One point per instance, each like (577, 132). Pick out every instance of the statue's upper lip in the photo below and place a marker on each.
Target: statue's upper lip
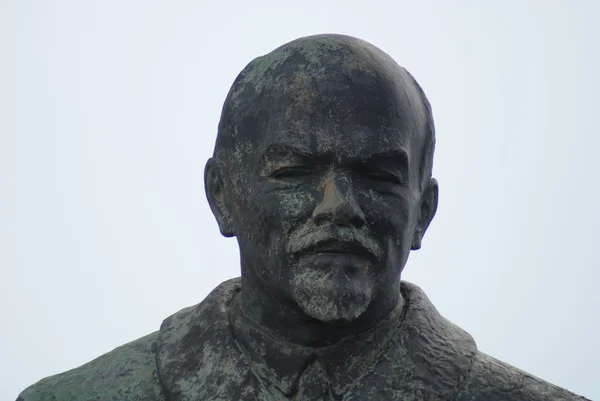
(337, 246)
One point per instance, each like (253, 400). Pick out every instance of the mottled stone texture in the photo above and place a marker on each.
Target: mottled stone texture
(126, 373)
(197, 357)
(322, 171)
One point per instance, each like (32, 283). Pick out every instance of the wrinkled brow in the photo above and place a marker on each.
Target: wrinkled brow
(397, 156)
(278, 151)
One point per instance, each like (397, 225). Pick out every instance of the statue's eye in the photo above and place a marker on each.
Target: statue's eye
(291, 172)
(384, 177)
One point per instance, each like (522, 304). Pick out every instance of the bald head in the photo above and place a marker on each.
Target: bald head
(325, 78)
(324, 140)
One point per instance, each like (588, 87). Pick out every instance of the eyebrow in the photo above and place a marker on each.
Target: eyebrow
(397, 155)
(286, 149)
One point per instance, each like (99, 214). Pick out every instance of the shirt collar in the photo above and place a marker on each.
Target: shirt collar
(344, 362)
(426, 356)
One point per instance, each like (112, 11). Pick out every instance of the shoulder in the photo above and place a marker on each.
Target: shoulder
(197, 356)
(127, 373)
(443, 350)
(494, 380)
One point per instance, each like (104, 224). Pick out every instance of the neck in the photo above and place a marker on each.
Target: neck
(280, 315)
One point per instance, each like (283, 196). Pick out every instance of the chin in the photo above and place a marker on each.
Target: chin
(331, 294)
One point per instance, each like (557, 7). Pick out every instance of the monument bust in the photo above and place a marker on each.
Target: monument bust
(322, 170)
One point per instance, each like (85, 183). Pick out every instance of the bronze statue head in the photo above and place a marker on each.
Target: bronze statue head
(322, 170)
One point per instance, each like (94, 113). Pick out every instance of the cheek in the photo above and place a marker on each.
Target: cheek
(289, 208)
(268, 217)
(293, 203)
(386, 212)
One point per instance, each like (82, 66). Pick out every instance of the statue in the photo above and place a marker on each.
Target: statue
(322, 170)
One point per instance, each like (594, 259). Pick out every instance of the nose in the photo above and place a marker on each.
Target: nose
(339, 205)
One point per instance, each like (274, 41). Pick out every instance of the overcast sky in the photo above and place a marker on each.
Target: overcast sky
(109, 110)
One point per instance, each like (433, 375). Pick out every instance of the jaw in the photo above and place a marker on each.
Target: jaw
(332, 294)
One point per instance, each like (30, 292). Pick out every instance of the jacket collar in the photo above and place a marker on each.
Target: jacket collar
(198, 356)
(343, 362)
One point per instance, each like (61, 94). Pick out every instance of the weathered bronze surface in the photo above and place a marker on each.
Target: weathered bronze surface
(322, 170)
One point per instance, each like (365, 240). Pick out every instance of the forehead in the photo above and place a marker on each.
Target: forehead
(327, 95)
(339, 138)
(346, 121)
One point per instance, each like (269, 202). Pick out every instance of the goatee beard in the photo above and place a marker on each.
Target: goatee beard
(332, 293)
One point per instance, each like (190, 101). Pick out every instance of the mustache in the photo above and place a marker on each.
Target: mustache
(309, 237)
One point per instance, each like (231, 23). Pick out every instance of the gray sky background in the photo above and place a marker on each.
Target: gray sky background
(109, 109)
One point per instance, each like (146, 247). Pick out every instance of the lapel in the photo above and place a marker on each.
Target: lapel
(428, 358)
(197, 357)
(343, 363)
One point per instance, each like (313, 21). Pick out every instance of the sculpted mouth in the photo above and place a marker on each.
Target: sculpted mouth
(336, 247)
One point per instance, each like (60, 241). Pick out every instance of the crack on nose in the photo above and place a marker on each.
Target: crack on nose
(335, 207)
(331, 196)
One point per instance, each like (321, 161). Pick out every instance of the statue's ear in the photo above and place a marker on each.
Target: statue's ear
(429, 203)
(215, 193)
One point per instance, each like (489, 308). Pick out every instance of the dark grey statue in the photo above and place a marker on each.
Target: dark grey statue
(322, 170)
